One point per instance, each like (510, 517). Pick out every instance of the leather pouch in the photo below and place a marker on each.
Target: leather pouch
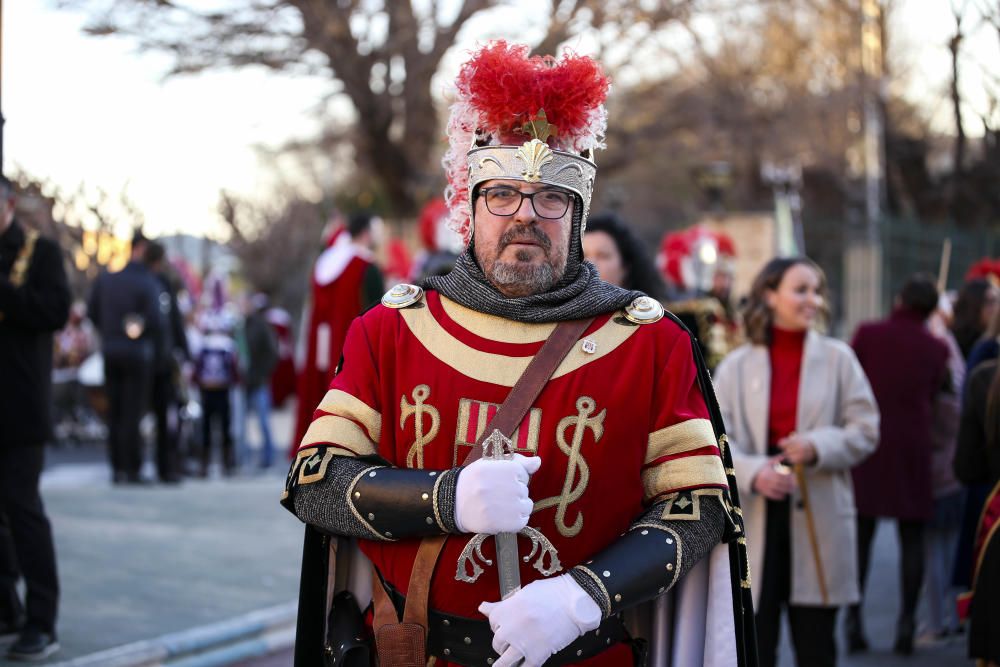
(347, 640)
(401, 645)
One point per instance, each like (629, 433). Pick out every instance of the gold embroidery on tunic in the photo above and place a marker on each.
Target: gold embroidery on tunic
(417, 410)
(473, 416)
(574, 484)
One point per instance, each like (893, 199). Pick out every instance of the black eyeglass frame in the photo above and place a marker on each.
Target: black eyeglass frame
(526, 195)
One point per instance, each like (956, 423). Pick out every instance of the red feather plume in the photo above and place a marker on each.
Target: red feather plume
(508, 86)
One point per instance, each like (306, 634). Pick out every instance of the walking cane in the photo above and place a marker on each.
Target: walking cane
(800, 476)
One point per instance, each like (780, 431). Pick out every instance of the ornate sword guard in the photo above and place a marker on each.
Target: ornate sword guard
(498, 447)
(467, 561)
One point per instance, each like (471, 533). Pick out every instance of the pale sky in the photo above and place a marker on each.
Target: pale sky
(90, 110)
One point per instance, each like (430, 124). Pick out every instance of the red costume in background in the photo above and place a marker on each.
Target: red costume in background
(336, 298)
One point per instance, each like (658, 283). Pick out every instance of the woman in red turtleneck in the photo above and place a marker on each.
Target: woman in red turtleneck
(795, 397)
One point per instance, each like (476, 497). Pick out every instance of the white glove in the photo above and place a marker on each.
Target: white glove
(539, 620)
(492, 496)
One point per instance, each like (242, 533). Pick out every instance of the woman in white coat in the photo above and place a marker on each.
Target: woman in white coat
(794, 397)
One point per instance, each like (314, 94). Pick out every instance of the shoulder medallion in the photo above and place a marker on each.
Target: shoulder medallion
(644, 310)
(402, 295)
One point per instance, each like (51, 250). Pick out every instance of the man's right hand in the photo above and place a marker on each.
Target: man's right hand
(492, 496)
(774, 480)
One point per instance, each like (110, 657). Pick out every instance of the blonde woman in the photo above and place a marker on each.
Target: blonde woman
(794, 397)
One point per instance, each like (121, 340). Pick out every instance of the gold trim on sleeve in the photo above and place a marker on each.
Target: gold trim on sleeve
(337, 402)
(683, 473)
(335, 430)
(679, 438)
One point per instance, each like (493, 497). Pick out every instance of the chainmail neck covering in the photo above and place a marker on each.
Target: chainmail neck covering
(579, 293)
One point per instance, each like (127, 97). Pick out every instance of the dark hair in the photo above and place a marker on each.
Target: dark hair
(6, 187)
(358, 223)
(138, 238)
(640, 272)
(757, 315)
(919, 294)
(967, 324)
(153, 253)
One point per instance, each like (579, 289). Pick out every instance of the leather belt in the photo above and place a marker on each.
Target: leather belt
(468, 641)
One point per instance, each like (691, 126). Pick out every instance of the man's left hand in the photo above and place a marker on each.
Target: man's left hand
(797, 449)
(540, 619)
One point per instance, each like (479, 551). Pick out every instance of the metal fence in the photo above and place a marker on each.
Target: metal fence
(908, 246)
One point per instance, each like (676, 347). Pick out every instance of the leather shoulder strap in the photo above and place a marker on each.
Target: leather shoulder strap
(534, 378)
(506, 419)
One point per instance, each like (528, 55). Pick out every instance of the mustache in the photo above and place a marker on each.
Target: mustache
(525, 233)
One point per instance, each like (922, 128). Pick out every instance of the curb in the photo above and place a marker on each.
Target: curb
(254, 634)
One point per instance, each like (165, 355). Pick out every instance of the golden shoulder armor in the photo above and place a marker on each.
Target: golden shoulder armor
(644, 310)
(402, 295)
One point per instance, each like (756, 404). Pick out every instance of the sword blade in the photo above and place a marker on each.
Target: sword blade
(508, 566)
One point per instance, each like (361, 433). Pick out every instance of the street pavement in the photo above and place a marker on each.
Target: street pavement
(143, 562)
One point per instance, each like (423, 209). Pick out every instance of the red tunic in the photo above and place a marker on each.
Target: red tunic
(333, 307)
(617, 428)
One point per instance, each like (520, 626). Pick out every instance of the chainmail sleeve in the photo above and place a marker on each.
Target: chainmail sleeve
(652, 555)
(363, 497)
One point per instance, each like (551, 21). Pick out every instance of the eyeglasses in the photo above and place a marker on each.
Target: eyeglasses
(503, 200)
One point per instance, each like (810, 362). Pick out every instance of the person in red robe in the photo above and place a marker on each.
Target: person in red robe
(345, 281)
(620, 482)
(283, 378)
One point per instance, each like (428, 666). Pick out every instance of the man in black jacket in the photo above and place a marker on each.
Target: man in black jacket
(34, 302)
(125, 307)
(171, 349)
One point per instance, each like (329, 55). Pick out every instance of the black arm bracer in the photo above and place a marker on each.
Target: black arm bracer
(651, 557)
(362, 498)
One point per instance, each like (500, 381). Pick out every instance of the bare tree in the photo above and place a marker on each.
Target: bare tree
(955, 47)
(275, 246)
(381, 54)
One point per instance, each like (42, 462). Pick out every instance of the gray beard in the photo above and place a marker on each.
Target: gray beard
(518, 279)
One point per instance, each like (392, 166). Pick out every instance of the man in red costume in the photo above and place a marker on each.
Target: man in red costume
(621, 483)
(345, 281)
